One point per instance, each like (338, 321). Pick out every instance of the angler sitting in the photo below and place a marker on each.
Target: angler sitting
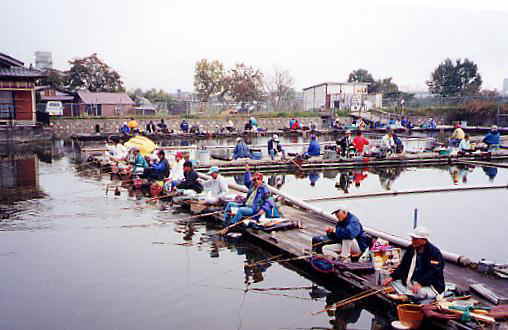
(184, 126)
(189, 186)
(216, 186)
(348, 236)
(256, 204)
(465, 146)
(241, 150)
(139, 162)
(158, 170)
(274, 147)
(492, 139)
(314, 147)
(345, 144)
(421, 269)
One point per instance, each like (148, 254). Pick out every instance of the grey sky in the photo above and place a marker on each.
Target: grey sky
(155, 43)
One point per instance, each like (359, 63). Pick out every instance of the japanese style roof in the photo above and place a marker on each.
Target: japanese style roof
(104, 98)
(6, 60)
(20, 72)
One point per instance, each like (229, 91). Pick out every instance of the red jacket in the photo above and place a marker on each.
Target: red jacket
(360, 142)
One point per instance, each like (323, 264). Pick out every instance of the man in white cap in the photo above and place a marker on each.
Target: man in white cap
(275, 147)
(216, 186)
(421, 268)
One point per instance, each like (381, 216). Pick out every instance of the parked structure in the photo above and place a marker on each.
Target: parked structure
(17, 95)
(343, 96)
(144, 107)
(105, 104)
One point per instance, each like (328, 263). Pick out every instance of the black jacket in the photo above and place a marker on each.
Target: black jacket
(190, 181)
(428, 270)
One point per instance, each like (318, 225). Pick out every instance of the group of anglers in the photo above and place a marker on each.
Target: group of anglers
(460, 140)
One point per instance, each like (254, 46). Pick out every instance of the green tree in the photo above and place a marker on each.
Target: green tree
(93, 74)
(54, 78)
(455, 79)
(209, 79)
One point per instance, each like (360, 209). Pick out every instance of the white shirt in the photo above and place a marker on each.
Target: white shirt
(218, 187)
(176, 172)
(387, 141)
(464, 145)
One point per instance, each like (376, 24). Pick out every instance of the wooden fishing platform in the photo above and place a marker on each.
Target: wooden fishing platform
(296, 244)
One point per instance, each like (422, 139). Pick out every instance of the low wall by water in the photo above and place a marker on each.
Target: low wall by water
(24, 134)
(66, 127)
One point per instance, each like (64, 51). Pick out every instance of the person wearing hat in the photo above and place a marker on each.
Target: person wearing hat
(216, 186)
(176, 173)
(124, 129)
(348, 236)
(345, 144)
(492, 139)
(258, 201)
(241, 150)
(421, 267)
(314, 148)
(275, 147)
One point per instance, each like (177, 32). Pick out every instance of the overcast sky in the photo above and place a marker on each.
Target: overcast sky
(155, 43)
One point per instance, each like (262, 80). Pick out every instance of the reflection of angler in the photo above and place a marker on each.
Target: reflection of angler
(341, 317)
(255, 272)
(344, 182)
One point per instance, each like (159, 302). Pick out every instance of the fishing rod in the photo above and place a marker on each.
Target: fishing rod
(191, 217)
(362, 295)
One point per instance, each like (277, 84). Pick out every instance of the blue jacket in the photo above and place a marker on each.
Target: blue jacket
(241, 151)
(492, 138)
(350, 228)
(314, 148)
(291, 122)
(184, 126)
(125, 130)
(428, 270)
(162, 168)
(262, 200)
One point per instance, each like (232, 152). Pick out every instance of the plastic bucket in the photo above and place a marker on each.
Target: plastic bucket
(203, 157)
(410, 315)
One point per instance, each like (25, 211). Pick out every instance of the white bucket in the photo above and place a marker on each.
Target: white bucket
(203, 157)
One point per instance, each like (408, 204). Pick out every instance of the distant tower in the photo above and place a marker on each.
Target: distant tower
(505, 86)
(43, 60)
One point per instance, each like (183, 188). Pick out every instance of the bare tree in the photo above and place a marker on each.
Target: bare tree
(279, 88)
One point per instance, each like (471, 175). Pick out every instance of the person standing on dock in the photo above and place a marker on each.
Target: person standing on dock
(241, 150)
(421, 268)
(492, 139)
(360, 142)
(256, 204)
(314, 148)
(274, 147)
(348, 236)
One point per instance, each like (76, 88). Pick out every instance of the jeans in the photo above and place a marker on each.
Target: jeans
(272, 154)
(243, 211)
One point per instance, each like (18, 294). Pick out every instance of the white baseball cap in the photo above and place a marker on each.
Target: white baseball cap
(420, 232)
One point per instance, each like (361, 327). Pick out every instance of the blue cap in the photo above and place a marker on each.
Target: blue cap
(213, 169)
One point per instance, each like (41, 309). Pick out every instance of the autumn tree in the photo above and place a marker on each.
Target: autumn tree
(279, 88)
(93, 74)
(244, 83)
(459, 78)
(209, 79)
(54, 78)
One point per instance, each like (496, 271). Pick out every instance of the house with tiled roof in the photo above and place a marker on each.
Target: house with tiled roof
(17, 95)
(105, 104)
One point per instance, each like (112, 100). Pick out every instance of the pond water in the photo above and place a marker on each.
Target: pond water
(75, 259)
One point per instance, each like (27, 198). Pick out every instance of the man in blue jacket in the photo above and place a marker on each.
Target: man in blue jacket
(184, 126)
(492, 139)
(257, 202)
(421, 268)
(158, 170)
(314, 147)
(348, 235)
(241, 149)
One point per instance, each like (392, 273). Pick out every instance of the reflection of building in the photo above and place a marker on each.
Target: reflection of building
(17, 96)
(19, 177)
(333, 95)
(43, 60)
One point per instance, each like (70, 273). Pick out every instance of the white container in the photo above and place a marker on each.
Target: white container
(203, 157)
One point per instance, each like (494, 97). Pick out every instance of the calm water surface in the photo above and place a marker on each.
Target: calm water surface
(74, 259)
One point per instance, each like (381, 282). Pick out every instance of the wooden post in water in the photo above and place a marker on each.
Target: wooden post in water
(415, 222)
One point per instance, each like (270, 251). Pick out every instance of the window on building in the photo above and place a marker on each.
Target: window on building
(94, 110)
(7, 105)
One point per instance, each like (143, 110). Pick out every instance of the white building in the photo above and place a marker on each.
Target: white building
(43, 60)
(505, 86)
(344, 96)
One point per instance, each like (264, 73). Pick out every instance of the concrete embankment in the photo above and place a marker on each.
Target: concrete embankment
(64, 128)
(9, 135)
